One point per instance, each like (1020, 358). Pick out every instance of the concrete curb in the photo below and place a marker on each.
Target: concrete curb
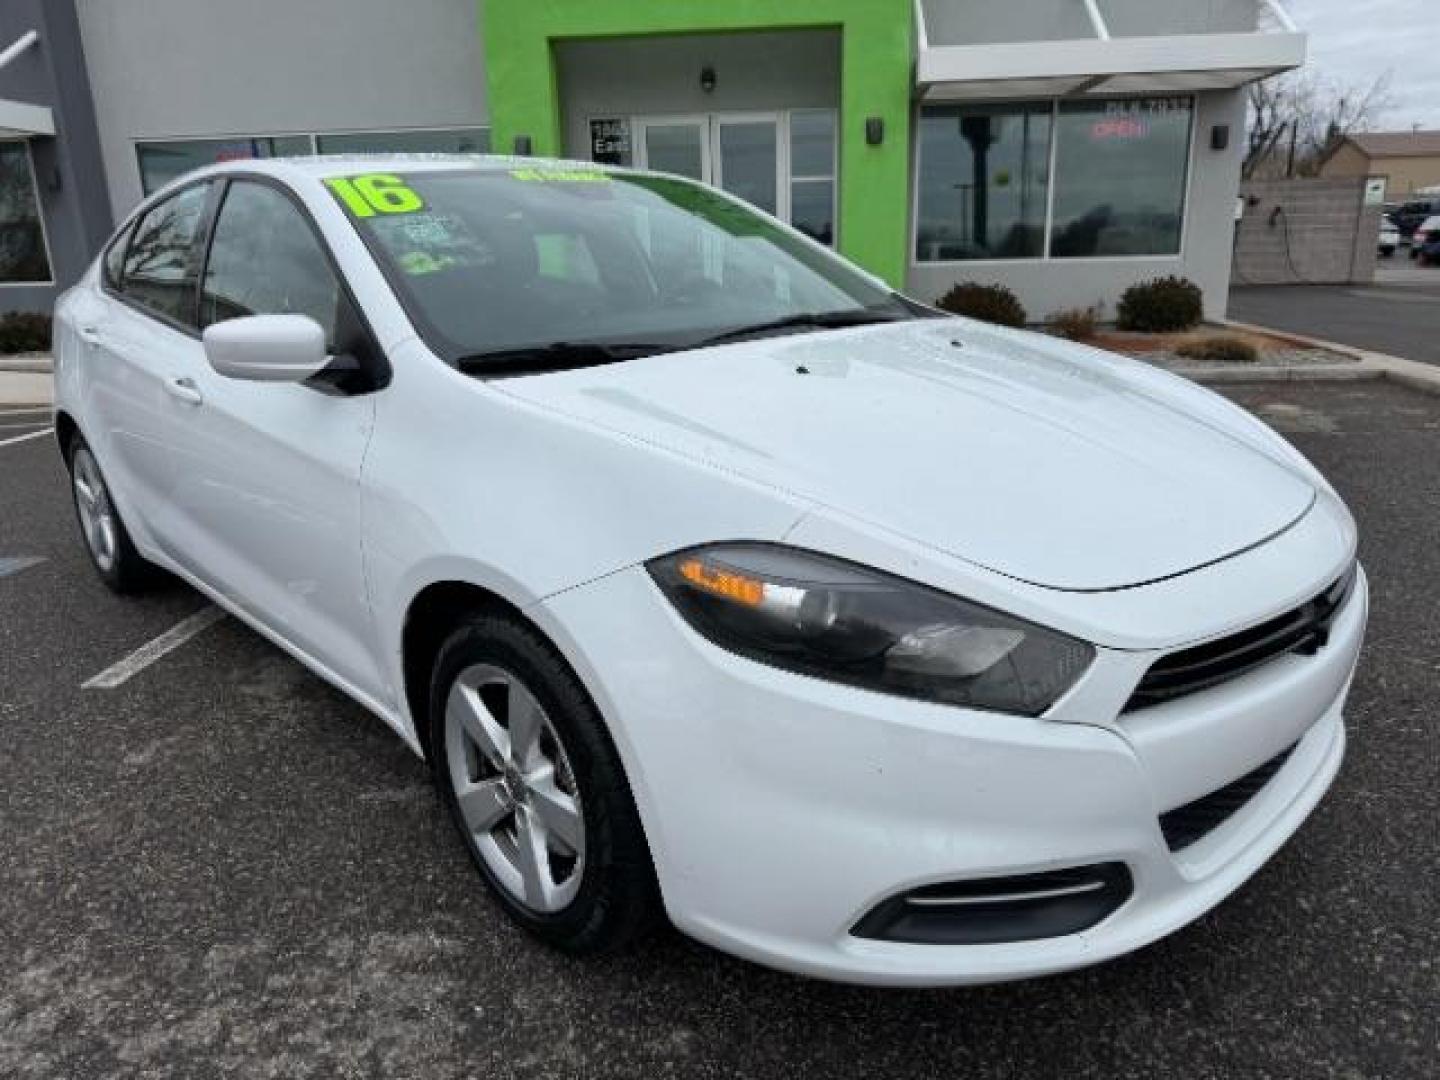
(1367, 365)
(33, 363)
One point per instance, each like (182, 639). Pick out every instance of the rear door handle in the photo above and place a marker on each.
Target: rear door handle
(90, 334)
(184, 389)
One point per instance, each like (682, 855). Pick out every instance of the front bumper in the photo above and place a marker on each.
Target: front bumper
(782, 809)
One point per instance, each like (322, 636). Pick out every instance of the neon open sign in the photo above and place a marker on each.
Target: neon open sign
(1120, 127)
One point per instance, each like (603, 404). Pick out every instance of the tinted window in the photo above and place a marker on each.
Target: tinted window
(22, 239)
(446, 141)
(115, 260)
(160, 263)
(266, 260)
(984, 182)
(1120, 177)
(161, 162)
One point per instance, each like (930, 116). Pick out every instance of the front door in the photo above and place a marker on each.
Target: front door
(739, 152)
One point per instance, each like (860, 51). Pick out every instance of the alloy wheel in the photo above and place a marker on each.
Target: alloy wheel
(515, 788)
(97, 513)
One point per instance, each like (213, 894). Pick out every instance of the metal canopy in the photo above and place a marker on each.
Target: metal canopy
(19, 119)
(1104, 63)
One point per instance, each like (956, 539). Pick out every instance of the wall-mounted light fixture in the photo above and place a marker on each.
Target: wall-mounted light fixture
(874, 130)
(524, 147)
(707, 79)
(1220, 137)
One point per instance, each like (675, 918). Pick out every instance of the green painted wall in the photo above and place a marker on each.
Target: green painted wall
(876, 81)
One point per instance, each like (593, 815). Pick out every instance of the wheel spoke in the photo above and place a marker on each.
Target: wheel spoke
(475, 720)
(557, 810)
(533, 859)
(524, 721)
(484, 805)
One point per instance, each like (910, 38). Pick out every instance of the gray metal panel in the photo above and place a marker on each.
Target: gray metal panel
(200, 68)
(68, 171)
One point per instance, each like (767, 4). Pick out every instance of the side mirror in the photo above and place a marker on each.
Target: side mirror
(267, 348)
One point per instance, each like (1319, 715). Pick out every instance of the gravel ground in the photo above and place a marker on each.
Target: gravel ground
(225, 869)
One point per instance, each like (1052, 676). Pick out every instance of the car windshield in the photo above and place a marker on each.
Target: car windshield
(567, 266)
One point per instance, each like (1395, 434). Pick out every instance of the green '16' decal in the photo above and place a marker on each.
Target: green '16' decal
(375, 193)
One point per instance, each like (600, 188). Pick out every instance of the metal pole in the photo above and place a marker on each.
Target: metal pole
(30, 37)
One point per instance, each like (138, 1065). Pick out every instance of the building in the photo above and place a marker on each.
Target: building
(1066, 148)
(1408, 160)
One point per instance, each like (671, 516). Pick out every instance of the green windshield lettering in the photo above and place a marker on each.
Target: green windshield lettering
(375, 193)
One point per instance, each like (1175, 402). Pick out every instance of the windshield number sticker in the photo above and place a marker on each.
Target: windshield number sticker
(375, 193)
(563, 176)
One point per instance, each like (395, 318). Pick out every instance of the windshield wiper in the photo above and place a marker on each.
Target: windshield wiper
(819, 320)
(557, 356)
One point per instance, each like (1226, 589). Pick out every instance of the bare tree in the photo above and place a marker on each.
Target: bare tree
(1298, 120)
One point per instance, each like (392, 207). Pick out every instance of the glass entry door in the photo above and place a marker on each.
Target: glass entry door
(746, 153)
(739, 152)
(785, 163)
(676, 144)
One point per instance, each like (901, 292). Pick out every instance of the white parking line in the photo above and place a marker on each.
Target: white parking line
(14, 566)
(118, 674)
(26, 438)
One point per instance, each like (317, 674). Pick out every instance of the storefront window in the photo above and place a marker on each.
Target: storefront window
(984, 178)
(985, 189)
(812, 173)
(1120, 177)
(23, 259)
(161, 162)
(440, 141)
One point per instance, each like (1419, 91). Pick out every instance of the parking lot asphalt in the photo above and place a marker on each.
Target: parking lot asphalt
(1398, 315)
(224, 868)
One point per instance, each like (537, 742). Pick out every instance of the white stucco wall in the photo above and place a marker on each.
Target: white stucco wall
(195, 68)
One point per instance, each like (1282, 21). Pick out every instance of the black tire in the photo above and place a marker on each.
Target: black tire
(617, 900)
(126, 571)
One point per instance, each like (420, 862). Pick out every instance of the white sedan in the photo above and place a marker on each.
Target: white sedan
(714, 578)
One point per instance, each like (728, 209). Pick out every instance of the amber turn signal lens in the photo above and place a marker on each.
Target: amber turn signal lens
(736, 587)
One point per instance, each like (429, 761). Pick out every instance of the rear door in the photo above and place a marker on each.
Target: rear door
(142, 350)
(268, 496)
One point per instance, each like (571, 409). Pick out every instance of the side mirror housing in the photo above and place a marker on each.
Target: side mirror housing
(267, 348)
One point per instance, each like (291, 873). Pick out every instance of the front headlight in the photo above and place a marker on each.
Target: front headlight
(820, 616)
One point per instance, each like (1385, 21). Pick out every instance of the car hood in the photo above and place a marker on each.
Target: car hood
(1040, 460)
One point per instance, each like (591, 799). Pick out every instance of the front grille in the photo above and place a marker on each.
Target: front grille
(1304, 630)
(1188, 824)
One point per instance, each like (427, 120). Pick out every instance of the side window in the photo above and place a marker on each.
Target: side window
(114, 260)
(160, 264)
(266, 260)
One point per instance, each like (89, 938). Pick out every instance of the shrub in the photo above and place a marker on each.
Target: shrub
(1076, 324)
(24, 331)
(1219, 349)
(1160, 306)
(988, 303)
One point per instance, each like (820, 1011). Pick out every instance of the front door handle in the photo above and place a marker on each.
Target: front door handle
(184, 389)
(90, 334)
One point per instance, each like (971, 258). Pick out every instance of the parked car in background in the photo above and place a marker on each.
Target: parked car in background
(1409, 215)
(1429, 252)
(1389, 236)
(1427, 231)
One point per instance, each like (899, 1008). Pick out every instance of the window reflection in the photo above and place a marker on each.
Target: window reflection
(1120, 177)
(984, 174)
(23, 257)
